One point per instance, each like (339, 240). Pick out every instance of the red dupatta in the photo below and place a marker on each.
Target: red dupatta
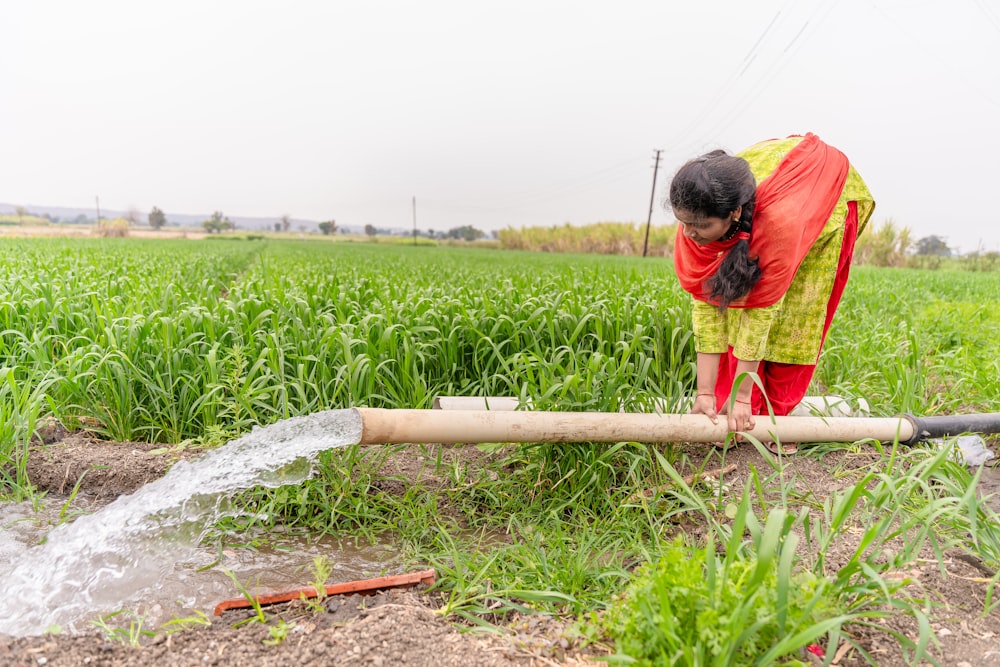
(793, 205)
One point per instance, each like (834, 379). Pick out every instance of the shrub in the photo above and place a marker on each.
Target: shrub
(696, 607)
(117, 228)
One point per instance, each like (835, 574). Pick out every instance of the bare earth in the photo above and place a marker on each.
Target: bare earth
(401, 626)
(87, 231)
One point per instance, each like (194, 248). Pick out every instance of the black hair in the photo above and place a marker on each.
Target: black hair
(713, 186)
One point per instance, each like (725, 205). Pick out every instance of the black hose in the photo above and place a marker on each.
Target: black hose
(925, 428)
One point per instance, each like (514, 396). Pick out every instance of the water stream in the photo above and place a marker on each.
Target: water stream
(112, 559)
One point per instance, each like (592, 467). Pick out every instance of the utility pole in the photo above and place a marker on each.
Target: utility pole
(652, 194)
(97, 200)
(414, 220)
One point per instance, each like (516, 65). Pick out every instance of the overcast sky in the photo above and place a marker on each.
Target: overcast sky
(493, 114)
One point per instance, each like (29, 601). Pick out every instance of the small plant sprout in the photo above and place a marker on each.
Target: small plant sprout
(130, 635)
(321, 568)
(259, 615)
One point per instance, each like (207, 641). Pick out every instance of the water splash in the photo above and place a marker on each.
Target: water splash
(103, 560)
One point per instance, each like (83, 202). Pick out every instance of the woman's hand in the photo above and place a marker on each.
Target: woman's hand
(741, 417)
(704, 404)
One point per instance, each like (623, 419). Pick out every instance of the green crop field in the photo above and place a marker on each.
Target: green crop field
(198, 341)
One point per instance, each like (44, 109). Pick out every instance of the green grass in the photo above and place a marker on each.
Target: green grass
(185, 341)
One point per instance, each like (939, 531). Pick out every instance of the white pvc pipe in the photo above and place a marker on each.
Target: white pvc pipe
(387, 426)
(475, 403)
(811, 406)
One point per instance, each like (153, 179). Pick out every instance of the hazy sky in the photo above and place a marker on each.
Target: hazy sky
(494, 114)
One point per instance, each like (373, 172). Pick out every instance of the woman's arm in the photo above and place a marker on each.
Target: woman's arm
(708, 371)
(741, 416)
(711, 328)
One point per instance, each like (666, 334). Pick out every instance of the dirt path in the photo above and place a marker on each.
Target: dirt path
(401, 627)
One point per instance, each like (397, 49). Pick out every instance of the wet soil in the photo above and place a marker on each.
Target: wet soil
(389, 628)
(404, 626)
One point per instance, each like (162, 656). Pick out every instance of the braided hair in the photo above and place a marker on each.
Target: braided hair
(714, 185)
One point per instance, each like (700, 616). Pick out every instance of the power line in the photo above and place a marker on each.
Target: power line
(760, 86)
(988, 13)
(725, 89)
(935, 53)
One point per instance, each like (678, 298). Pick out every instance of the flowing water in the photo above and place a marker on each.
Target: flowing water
(114, 558)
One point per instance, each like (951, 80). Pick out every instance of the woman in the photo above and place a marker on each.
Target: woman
(764, 246)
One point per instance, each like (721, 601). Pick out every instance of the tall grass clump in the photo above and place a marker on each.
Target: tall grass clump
(981, 260)
(887, 245)
(606, 238)
(694, 606)
(116, 228)
(21, 402)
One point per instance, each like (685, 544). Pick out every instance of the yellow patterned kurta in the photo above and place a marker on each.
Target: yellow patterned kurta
(791, 330)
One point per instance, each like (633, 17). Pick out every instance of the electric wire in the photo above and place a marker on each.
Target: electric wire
(764, 80)
(988, 12)
(932, 51)
(714, 100)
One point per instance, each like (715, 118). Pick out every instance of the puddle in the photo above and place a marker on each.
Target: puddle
(122, 555)
(287, 562)
(199, 581)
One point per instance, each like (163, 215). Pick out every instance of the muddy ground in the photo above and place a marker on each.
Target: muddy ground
(401, 626)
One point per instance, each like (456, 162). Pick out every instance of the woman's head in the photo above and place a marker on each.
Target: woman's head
(713, 199)
(711, 193)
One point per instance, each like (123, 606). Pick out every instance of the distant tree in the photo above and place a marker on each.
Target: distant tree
(218, 223)
(465, 233)
(328, 227)
(932, 245)
(277, 226)
(21, 212)
(370, 230)
(286, 222)
(81, 219)
(157, 219)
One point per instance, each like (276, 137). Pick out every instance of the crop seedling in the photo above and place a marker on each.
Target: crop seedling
(321, 568)
(129, 636)
(179, 624)
(259, 615)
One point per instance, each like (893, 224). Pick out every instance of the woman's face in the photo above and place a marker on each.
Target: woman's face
(704, 230)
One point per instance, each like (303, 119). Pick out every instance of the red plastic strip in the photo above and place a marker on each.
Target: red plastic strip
(362, 586)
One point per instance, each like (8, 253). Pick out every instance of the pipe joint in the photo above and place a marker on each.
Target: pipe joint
(919, 427)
